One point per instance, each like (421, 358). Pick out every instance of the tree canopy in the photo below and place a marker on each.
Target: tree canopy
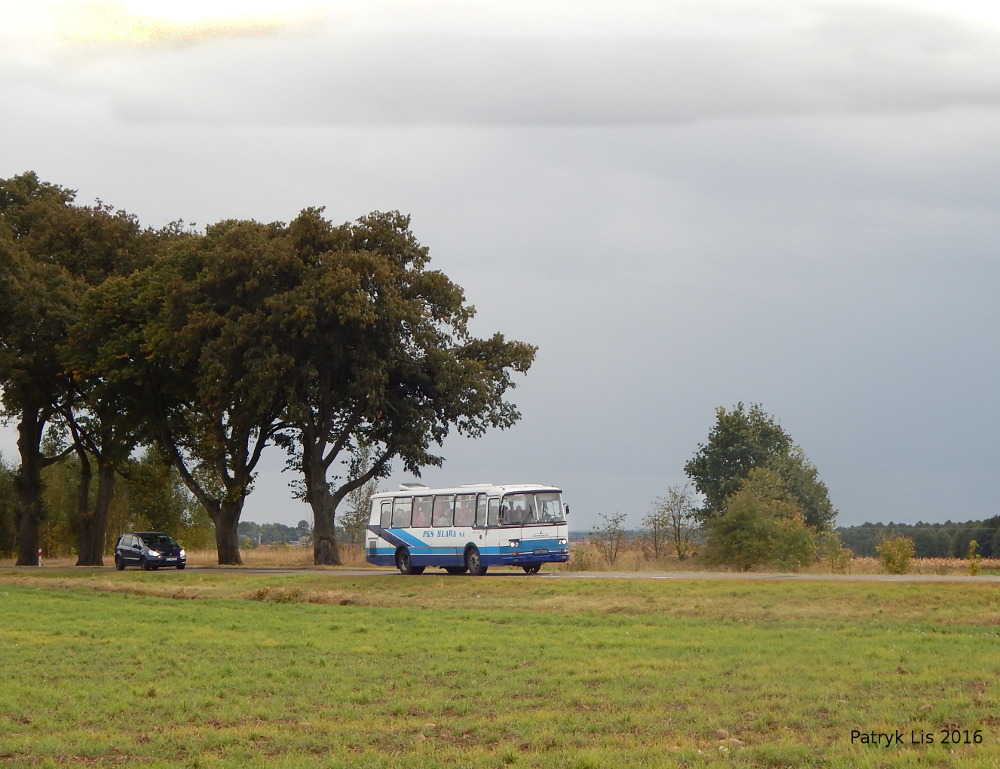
(384, 359)
(743, 439)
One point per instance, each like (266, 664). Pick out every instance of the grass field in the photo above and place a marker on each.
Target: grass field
(214, 668)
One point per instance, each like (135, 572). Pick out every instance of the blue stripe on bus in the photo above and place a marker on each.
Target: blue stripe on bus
(396, 537)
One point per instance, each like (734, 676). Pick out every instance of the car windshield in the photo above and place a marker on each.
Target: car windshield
(159, 541)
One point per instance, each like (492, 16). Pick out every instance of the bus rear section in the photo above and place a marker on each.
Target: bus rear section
(467, 529)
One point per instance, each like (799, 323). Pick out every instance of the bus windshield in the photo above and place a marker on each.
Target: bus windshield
(539, 507)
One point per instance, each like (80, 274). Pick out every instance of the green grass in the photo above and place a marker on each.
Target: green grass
(217, 669)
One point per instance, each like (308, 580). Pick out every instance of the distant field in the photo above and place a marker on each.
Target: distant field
(213, 668)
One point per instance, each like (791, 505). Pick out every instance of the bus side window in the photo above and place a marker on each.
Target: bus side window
(481, 510)
(401, 512)
(444, 510)
(493, 518)
(465, 509)
(385, 518)
(422, 511)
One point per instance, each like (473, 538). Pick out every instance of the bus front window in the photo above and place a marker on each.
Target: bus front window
(542, 507)
(549, 508)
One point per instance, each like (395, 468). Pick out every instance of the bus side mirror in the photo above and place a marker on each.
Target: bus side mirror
(567, 511)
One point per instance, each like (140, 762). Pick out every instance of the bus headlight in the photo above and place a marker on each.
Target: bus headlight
(514, 543)
(563, 542)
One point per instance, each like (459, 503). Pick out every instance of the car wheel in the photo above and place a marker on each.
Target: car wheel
(474, 562)
(181, 565)
(531, 568)
(144, 564)
(456, 569)
(119, 564)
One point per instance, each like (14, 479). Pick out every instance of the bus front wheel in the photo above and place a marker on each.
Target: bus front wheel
(474, 562)
(404, 564)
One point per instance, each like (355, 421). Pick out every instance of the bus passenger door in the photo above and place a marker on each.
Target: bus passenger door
(510, 529)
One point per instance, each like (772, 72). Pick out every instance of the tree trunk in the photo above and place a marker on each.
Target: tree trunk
(325, 550)
(29, 440)
(94, 525)
(227, 518)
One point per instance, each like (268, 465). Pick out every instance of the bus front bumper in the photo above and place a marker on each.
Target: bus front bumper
(524, 557)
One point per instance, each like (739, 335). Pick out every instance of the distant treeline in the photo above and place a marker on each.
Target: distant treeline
(930, 540)
(252, 534)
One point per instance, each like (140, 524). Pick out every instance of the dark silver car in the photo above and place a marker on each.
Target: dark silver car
(149, 550)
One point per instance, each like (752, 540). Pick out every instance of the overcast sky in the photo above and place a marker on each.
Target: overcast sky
(685, 205)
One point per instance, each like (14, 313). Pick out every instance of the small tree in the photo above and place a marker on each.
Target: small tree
(359, 501)
(975, 559)
(671, 522)
(832, 549)
(609, 537)
(656, 529)
(895, 554)
(761, 525)
(8, 506)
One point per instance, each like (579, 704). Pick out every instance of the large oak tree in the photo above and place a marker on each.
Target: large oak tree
(188, 344)
(384, 359)
(51, 251)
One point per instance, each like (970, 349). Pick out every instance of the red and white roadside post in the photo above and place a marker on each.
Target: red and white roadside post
(39, 556)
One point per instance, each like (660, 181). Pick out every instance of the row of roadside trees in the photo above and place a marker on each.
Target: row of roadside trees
(326, 340)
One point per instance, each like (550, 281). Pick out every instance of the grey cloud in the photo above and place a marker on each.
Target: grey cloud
(878, 62)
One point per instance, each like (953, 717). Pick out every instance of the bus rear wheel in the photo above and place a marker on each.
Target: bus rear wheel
(474, 562)
(531, 568)
(404, 564)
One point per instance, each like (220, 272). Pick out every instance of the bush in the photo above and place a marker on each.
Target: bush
(760, 526)
(832, 550)
(895, 554)
(975, 559)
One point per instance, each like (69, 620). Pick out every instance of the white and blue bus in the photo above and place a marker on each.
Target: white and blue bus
(468, 528)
